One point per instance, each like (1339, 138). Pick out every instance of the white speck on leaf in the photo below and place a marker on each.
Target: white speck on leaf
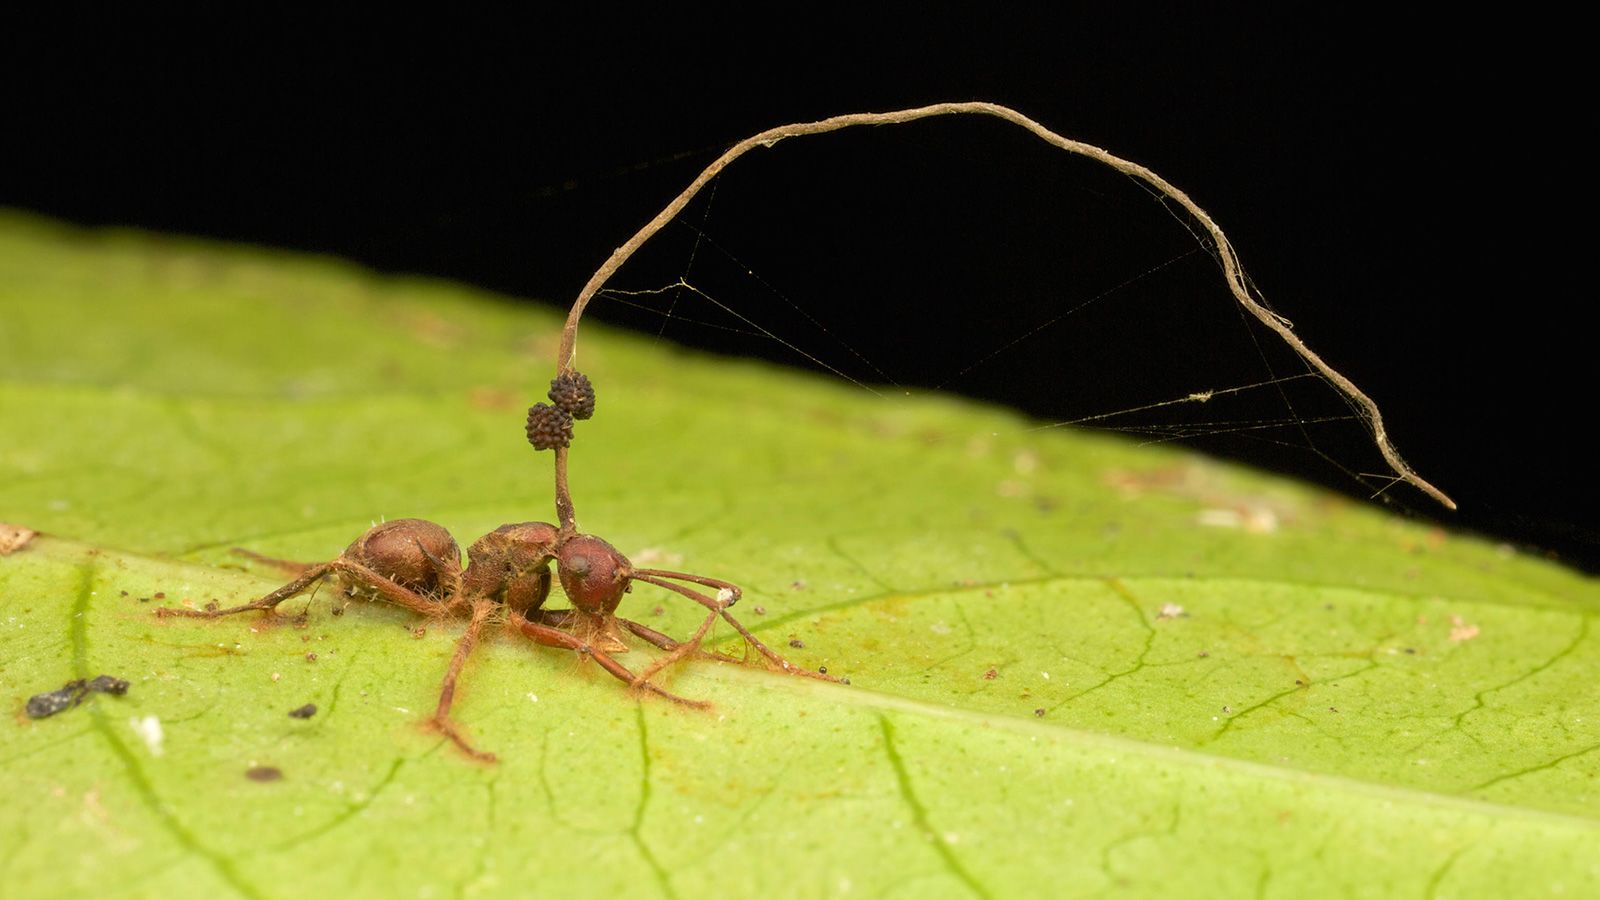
(148, 728)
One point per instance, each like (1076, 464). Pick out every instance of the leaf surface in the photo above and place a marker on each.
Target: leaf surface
(1067, 678)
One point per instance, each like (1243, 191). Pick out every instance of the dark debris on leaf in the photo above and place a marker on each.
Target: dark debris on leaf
(42, 706)
(303, 712)
(264, 773)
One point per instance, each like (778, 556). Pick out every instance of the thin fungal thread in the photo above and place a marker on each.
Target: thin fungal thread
(1073, 310)
(772, 289)
(1234, 275)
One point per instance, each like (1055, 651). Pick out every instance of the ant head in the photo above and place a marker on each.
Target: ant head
(593, 573)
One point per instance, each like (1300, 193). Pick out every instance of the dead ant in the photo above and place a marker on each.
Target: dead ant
(416, 564)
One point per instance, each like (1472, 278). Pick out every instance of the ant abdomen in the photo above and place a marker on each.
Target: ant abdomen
(416, 554)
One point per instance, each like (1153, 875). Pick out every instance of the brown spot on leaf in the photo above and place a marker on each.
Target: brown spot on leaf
(264, 773)
(14, 538)
(1462, 630)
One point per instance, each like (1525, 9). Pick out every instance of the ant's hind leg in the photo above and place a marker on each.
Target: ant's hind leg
(394, 593)
(440, 722)
(311, 577)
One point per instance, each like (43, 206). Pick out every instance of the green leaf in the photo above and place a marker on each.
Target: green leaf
(1067, 679)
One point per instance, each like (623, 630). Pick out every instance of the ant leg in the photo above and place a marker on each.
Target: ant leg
(288, 565)
(554, 637)
(562, 618)
(394, 593)
(655, 637)
(440, 722)
(451, 571)
(657, 578)
(649, 634)
(692, 645)
(602, 639)
(311, 577)
(380, 585)
(555, 618)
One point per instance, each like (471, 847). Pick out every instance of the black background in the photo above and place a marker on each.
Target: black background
(1407, 191)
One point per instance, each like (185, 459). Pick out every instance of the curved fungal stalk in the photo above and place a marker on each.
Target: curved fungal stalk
(1231, 270)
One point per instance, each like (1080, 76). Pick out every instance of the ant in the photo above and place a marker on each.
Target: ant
(416, 565)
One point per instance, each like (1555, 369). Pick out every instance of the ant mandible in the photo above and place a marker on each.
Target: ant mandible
(416, 565)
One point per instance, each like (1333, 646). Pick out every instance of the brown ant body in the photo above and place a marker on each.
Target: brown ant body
(416, 564)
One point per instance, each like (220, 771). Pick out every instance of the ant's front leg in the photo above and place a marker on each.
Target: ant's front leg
(555, 637)
(566, 619)
(597, 630)
(727, 595)
(658, 639)
(675, 652)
